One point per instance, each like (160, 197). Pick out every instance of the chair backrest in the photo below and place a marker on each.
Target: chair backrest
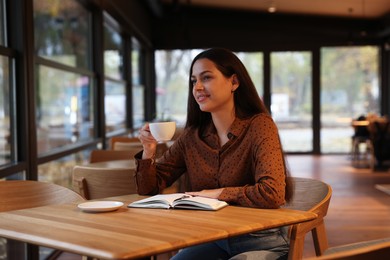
(96, 183)
(122, 139)
(109, 155)
(16, 194)
(366, 250)
(132, 147)
(309, 195)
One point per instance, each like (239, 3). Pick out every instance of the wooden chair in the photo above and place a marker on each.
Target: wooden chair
(122, 139)
(133, 145)
(16, 195)
(96, 183)
(366, 250)
(109, 155)
(309, 195)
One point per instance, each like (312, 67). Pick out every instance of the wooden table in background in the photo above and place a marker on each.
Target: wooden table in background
(130, 233)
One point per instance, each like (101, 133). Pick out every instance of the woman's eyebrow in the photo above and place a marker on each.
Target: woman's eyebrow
(202, 73)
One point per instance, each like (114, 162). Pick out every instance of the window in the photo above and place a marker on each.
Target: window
(64, 114)
(291, 99)
(5, 111)
(60, 171)
(253, 62)
(62, 32)
(115, 87)
(64, 83)
(349, 88)
(7, 88)
(172, 68)
(138, 87)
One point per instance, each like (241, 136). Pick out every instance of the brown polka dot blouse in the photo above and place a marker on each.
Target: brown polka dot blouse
(249, 166)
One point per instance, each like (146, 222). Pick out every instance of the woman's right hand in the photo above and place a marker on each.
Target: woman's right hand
(148, 142)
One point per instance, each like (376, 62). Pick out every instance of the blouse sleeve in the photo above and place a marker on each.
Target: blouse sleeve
(268, 190)
(153, 178)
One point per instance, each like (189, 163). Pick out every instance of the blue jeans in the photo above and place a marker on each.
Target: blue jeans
(275, 240)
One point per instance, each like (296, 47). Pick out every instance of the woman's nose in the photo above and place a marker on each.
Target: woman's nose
(199, 85)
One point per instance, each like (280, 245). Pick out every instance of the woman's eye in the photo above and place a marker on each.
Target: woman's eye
(193, 82)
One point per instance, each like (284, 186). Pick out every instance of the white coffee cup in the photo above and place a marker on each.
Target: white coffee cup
(162, 131)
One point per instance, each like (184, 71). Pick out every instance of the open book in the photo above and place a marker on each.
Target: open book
(179, 200)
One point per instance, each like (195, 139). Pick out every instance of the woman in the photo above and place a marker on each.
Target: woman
(229, 150)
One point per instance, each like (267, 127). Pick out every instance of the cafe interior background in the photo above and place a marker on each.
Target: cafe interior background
(75, 73)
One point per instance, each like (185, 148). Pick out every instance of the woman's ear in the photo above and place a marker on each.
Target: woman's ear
(235, 82)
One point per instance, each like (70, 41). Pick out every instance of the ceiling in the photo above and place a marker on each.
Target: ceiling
(340, 8)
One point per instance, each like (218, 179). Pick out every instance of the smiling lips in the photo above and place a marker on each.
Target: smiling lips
(202, 97)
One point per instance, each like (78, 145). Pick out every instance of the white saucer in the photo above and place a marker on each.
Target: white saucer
(100, 206)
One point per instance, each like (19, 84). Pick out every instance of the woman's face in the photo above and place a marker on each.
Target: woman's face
(211, 89)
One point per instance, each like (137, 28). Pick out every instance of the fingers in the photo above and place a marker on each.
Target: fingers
(145, 136)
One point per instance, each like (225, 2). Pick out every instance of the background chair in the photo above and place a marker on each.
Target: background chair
(96, 183)
(361, 136)
(309, 195)
(122, 139)
(380, 138)
(124, 143)
(109, 155)
(16, 195)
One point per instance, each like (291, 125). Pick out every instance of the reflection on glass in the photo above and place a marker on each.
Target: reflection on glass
(253, 62)
(3, 17)
(62, 32)
(64, 112)
(113, 51)
(138, 87)
(172, 68)
(5, 106)
(291, 99)
(60, 171)
(349, 89)
(115, 105)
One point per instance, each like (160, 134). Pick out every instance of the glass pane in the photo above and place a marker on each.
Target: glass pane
(3, 27)
(115, 105)
(291, 99)
(62, 30)
(113, 51)
(60, 171)
(349, 89)
(138, 86)
(64, 112)
(15, 176)
(172, 68)
(138, 106)
(253, 62)
(5, 107)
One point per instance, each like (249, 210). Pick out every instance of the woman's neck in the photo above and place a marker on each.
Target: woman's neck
(222, 123)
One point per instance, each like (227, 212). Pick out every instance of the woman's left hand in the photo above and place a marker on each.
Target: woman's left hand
(214, 194)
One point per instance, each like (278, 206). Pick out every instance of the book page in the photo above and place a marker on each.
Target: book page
(199, 203)
(158, 201)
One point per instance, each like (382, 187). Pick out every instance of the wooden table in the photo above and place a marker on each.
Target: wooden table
(129, 163)
(130, 233)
